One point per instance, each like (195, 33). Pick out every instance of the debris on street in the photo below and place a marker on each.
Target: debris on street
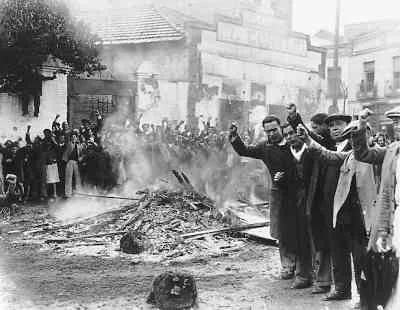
(173, 291)
(167, 223)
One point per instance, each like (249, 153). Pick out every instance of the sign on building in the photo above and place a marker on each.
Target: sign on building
(269, 40)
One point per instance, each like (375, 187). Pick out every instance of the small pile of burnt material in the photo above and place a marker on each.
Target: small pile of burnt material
(173, 291)
(132, 243)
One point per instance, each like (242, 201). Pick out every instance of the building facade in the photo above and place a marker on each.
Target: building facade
(370, 68)
(233, 62)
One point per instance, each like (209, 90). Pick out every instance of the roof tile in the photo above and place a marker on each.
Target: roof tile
(132, 25)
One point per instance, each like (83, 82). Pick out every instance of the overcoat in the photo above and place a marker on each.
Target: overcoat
(277, 158)
(349, 167)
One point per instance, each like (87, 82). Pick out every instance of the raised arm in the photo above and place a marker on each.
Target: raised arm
(28, 135)
(253, 151)
(318, 151)
(361, 150)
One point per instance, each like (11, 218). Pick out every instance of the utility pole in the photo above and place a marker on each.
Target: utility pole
(336, 59)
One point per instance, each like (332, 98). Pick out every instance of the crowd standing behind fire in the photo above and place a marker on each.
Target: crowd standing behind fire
(50, 165)
(312, 199)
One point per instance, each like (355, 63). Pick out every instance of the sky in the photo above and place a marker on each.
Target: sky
(309, 16)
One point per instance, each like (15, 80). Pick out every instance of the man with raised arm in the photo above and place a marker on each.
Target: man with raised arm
(277, 156)
(353, 201)
(385, 230)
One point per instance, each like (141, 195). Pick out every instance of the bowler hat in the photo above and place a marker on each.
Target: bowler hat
(394, 113)
(338, 116)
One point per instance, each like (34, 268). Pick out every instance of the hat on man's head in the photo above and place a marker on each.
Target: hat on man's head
(338, 116)
(11, 178)
(394, 113)
(352, 126)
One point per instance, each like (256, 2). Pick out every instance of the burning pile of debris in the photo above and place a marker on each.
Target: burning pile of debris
(162, 222)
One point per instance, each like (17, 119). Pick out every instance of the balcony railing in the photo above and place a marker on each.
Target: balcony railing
(367, 91)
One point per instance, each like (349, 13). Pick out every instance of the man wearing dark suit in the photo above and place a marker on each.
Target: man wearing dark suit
(300, 180)
(276, 155)
(336, 124)
(316, 208)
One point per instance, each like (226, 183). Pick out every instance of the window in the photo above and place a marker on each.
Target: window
(369, 72)
(396, 72)
(102, 103)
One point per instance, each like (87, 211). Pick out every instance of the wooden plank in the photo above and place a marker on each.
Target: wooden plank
(65, 240)
(244, 218)
(224, 230)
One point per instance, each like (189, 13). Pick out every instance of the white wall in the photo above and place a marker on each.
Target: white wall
(53, 101)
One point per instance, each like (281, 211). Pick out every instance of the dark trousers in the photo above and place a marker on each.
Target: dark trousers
(296, 256)
(349, 242)
(304, 268)
(322, 236)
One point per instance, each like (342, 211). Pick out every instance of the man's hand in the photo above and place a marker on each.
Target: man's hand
(278, 176)
(303, 134)
(233, 132)
(363, 118)
(384, 242)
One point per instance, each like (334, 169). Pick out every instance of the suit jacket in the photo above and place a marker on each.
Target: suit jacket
(385, 206)
(69, 149)
(283, 217)
(349, 167)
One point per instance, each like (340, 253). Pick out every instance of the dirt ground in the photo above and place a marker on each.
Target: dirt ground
(34, 275)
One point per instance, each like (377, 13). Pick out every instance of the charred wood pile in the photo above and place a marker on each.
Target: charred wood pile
(162, 222)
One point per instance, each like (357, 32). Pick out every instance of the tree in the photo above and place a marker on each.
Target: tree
(33, 30)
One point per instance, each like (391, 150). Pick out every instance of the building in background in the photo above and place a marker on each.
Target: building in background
(370, 68)
(219, 60)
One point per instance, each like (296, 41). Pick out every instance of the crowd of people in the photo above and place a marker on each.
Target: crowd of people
(47, 165)
(332, 202)
(63, 160)
(325, 197)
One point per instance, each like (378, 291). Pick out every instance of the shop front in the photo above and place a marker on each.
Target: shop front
(257, 66)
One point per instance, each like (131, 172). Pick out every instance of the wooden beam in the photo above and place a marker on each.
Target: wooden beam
(224, 230)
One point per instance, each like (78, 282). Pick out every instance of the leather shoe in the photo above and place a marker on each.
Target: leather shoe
(321, 290)
(287, 275)
(338, 295)
(301, 284)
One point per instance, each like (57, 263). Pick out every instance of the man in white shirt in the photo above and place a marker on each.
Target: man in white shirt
(300, 176)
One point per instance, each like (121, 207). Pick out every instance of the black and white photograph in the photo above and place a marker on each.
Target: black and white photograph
(199, 154)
